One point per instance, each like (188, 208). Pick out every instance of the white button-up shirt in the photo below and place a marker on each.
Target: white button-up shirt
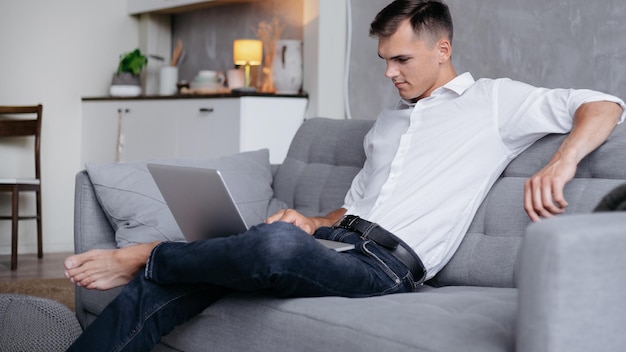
(429, 167)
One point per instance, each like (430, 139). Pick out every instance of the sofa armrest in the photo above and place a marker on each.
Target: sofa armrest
(92, 229)
(572, 284)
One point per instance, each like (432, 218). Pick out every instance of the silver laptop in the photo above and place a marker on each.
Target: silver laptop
(202, 205)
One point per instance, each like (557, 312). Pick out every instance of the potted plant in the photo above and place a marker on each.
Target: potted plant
(127, 80)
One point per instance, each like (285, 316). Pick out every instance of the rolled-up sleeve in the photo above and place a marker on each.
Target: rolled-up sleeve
(526, 113)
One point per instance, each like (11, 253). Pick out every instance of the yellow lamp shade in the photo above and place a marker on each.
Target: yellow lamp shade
(248, 52)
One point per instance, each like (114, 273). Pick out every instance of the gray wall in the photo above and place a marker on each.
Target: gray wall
(554, 44)
(368, 89)
(208, 34)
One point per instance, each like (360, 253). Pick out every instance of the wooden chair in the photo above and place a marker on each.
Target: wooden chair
(10, 126)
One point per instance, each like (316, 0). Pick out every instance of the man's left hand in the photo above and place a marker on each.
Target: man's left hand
(543, 192)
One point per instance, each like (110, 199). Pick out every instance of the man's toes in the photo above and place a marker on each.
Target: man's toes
(68, 264)
(85, 281)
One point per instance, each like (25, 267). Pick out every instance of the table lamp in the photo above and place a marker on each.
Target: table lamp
(248, 52)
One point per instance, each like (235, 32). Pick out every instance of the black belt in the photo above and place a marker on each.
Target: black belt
(387, 240)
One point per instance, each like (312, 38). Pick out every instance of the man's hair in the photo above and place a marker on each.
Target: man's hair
(430, 17)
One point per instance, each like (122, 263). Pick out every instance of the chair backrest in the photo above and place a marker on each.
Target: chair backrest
(10, 126)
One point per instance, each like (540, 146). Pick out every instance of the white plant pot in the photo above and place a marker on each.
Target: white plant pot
(125, 85)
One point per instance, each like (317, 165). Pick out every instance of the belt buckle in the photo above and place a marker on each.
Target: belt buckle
(346, 222)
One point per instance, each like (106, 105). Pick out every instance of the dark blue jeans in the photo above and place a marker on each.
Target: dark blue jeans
(182, 279)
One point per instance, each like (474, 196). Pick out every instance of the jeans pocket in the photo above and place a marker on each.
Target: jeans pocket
(374, 252)
(339, 235)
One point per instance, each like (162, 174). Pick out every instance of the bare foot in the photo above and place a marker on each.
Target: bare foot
(104, 269)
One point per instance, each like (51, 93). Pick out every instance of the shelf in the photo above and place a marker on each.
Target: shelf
(137, 7)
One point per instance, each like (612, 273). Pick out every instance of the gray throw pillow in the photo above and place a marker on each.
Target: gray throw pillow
(138, 213)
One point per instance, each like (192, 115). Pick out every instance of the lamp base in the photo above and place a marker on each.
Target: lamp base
(244, 90)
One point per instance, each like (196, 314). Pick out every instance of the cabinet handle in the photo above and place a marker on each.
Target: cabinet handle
(205, 110)
(120, 110)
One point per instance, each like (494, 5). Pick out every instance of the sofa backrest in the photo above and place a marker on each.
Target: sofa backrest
(488, 255)
(326, 154)
(323, 158)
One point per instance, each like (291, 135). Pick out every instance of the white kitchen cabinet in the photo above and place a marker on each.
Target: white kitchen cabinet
(138, 129)
(127, 130)
(209, 127)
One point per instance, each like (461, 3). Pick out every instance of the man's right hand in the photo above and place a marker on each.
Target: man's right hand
(308, 225)
(293, 217)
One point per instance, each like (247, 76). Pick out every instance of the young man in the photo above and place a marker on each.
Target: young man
(430, 162)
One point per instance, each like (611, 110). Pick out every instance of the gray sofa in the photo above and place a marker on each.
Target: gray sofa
(557, 285)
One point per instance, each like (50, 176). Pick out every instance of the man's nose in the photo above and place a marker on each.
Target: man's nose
(391, 71)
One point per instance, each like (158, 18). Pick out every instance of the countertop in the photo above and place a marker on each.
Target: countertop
(198, 96)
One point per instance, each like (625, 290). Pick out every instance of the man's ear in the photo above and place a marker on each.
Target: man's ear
(445, 50)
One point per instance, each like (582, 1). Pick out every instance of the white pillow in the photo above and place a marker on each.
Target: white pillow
(138, 213)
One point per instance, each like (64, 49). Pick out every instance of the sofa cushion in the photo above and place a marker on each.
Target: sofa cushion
(324, 157)
(138, 213)
(482, 319)
(488, 254)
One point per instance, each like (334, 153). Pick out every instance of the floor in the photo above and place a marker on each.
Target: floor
(30, 267)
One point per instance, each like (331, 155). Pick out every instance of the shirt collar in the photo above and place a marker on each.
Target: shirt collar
(458, 85)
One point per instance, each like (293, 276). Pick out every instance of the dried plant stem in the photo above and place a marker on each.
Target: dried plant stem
(269, 34)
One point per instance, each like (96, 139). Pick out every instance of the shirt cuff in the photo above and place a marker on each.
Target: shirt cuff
(608, 98)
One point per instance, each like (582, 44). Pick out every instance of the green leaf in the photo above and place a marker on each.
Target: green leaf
(132, 62)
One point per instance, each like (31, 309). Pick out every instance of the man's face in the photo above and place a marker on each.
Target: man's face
(413, 63)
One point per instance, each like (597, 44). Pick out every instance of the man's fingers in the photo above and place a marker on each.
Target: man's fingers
(555, 201)
(558, 197)
(293, 217)
(543, 198)
(285, 215)
(528, 202)
(276, 217)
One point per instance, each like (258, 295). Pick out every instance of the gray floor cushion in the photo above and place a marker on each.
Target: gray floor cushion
(34, 324)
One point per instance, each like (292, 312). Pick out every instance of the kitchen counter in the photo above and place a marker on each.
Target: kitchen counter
(226, 94)
(189, 125)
